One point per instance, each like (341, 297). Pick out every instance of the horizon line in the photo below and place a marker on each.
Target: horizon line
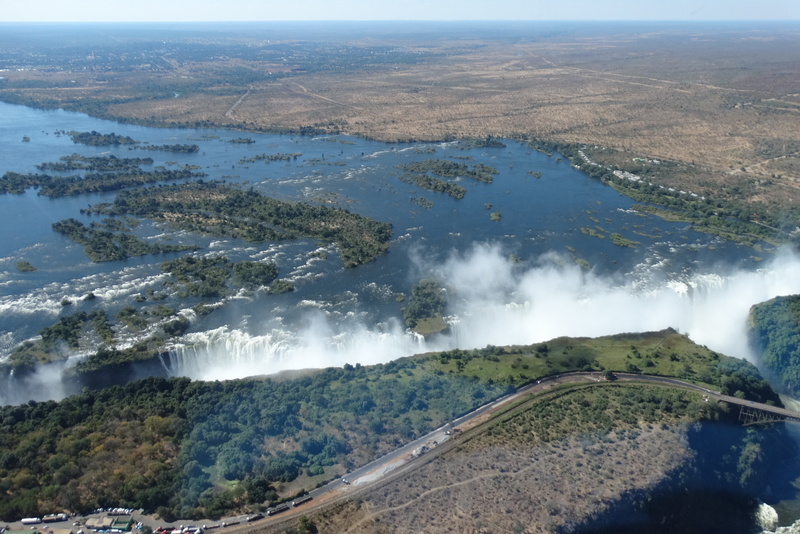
(746, 20)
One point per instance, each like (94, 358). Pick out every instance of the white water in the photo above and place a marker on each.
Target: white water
(766, 517)
(496, 302)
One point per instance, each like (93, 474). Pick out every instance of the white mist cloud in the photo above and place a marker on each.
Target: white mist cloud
(547, 301)
(496, 302)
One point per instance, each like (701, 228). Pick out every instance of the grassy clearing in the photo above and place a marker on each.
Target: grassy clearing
(664, 353)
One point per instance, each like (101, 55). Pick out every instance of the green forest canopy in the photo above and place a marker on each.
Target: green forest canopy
(219, 209)
(171, 445)
(775, 331)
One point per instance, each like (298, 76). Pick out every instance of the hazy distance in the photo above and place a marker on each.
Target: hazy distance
(416, 10)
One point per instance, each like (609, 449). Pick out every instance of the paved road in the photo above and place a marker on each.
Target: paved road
(378, 467)
(715, 394)
(439, 435)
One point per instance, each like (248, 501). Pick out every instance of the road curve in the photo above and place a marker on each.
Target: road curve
(374, 471)
(380, 466)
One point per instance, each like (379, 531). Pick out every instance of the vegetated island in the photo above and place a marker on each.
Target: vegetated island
(77, 162)
(25, 267)
(621, 241)
(102, 245)
(487, 142)
(774, 333)
(451, 169)
(425, 307)
(207, 277)
(188, 449)
(97, 139)
(203, 277)
(218, 209)
(434, 184)
(61, 186)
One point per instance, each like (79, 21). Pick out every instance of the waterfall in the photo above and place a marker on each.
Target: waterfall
(225, 353)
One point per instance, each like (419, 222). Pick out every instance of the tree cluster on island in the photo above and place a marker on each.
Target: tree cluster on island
(61, 186)
(451, 169)
(434, 184)
(25, 267)
(486, 142)
(101, 245)
(219, 209)
(425, 307)
(77, 162)
(97, 139)
(209, 276)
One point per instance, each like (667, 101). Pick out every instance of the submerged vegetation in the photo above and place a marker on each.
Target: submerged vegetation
(222, 210)
(178, 149)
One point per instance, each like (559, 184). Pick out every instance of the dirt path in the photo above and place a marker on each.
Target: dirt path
(314, 95)
(231, 109)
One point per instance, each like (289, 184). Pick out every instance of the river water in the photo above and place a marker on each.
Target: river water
(675, 276)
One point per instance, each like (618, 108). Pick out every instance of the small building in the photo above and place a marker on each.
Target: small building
(100, 522)
(122, 523)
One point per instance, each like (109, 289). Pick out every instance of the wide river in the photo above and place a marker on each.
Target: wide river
(516, 280)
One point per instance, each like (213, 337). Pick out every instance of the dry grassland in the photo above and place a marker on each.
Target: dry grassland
(495, 489)
(511, 478)
(716, 98)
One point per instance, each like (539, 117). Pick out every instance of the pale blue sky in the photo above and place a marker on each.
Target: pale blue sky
(269, 10)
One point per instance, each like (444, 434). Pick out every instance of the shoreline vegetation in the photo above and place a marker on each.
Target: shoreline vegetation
(774, 332)
(211, 441)
(747, 223)
(743, 222)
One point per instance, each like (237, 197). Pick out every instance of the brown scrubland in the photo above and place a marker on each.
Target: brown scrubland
(725, 99)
